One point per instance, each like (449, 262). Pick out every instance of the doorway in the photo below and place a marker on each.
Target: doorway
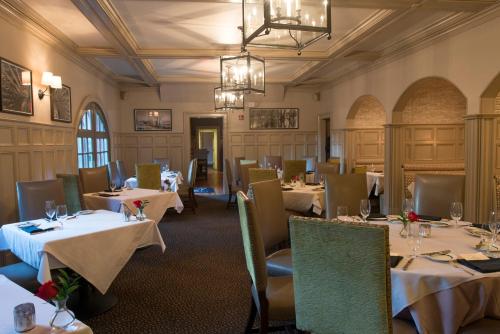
(324, 137)
(207, 146)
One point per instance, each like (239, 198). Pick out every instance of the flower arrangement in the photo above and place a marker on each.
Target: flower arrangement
(140, 205)
(406, 219)
(58, 291)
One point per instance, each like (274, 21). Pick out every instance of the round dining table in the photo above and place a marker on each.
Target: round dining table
(441, 297)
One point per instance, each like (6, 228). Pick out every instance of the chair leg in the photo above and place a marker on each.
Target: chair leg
(263, 314)
(194, 197)
(251, 318)
(228, 204)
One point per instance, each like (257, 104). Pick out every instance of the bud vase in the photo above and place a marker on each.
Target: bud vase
(405, 231)
(140, 214)
(62, 317)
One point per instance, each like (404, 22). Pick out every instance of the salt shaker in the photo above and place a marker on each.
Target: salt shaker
(24, 317)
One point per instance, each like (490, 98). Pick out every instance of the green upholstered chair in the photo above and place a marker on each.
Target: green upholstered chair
(339, 286)
(148, 176)
(72, 192)
(31, 197)
(344, 190)
(273, 161)
(186, 190)
(244, 174)
(261, 174)
(359, 170)
(94, 179)
(273, 220)
(326, 168)
(22, 274)
(293, 168)
(272, 296)
(114, 174)
(232, 187)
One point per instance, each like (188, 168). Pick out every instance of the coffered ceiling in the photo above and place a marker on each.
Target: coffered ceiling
(148, 42)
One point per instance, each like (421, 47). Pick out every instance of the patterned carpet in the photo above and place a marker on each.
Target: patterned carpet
(199, 285)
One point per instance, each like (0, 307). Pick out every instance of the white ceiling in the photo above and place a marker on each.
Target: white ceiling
(154, 41)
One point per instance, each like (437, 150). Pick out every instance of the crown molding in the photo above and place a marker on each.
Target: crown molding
(22, 16)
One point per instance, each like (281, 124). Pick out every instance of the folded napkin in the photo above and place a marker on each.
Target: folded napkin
(34, 230)
(395, 260)
(428, 218)
(376, 216)
(483, 266)
(108, 194)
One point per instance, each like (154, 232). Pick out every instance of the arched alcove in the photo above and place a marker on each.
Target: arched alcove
(365, 133)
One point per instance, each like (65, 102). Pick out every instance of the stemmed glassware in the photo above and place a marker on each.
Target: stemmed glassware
(61, 214)
(112, 186)
(407, 206)
(456, 212)
(494, 227)
(414, 238)
(365, 208)
(50, 209)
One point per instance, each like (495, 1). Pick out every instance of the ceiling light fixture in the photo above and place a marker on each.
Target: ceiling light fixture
(49, 79)
(287, 24)
(225, 101)
(244, 74)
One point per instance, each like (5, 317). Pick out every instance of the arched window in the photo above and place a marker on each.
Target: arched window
(92, 138)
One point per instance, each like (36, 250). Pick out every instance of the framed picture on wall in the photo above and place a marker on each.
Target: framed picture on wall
(274, 118)
(16, 95)
(60, 104)
(153, 119)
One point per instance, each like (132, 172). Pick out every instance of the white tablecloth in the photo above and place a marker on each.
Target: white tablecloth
(96, 246)
(159, 202)
(376, 180)
(428, 288)
(175, 179)
(302, 199)
(13, 295)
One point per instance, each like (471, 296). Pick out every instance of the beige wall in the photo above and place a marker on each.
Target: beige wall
(36, 148)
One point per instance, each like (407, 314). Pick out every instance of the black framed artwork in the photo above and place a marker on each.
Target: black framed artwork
(15, 97)
(60, 104)
(274, 118)
(153, 119)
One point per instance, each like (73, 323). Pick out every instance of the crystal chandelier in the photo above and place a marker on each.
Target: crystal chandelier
(228, 100)
(243, 73)
(291, 24)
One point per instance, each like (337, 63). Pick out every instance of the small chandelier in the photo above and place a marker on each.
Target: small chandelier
(225, 101)
(288, 24)
(243, 73)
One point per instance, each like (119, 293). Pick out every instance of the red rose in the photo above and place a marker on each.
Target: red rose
(413, 217)
(137, 203)
(47, 291)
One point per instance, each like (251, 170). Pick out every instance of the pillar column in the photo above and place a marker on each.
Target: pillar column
(393, 178)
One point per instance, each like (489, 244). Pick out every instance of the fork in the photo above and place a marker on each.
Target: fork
(454, 264)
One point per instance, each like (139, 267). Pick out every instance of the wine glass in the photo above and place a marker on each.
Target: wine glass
(365, 208)
(112, 186)
(407, 206)
(456, 212)
(50, 209)
(414, 238)
(61, 214)
(342, 213)
(493, 225)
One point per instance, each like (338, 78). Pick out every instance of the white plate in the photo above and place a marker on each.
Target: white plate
(439, 224)
(85, 212)
(441, 258)
(477, 232)
(378, 219)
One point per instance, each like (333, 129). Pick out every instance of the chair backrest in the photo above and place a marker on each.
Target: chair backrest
(120, 165)
(261, 174)
(311, 163)
(245, 176)
(272, 218)
(228, 173)
(94, 179)
(252, 242)
(114, 174)
(164, 163)
(376, 164)
(410, 170)
(236, 170)
(340, 287)
(31, 197)
(191, 175)
(273, 161)
(344, 190)
(434, 193)
(72, 192)
(327, 168)
(496, 192)
(359, 170)
(293, 168)
(148, 176)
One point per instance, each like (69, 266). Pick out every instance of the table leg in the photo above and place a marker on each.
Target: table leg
(88, 302)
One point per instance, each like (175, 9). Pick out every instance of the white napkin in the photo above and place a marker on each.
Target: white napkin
(474, 256)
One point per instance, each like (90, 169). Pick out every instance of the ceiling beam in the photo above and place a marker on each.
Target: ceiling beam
(104, 17)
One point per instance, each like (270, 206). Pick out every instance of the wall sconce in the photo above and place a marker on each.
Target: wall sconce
(49, 79)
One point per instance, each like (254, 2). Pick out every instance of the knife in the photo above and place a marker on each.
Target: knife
(408, 263)
(443, 252)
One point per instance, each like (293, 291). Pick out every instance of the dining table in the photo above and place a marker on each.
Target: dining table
(159, 201)
(13, 295)
(440, 294)
(175, 179)
(304, 198)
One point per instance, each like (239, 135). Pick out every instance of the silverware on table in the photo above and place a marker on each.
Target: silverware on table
(408, 263)
(443, 252)
(456, 265)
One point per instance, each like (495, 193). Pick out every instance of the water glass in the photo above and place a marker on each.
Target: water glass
(24, 317)
(425, 230)
(112, 186)
(365, 208)
(342, 212)
(50, 209)
(61, 214)
(456, 212)
(493, 225)
(414, 238)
